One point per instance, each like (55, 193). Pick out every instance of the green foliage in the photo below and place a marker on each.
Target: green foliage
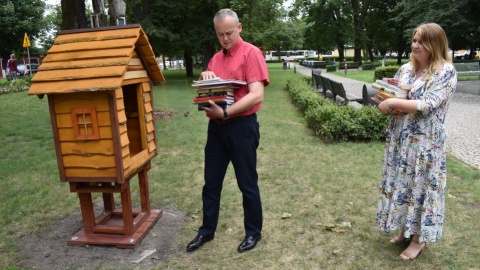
(334, 123)
(17, 85)
(370, 66)
(331, 68)
(18, 17)
(385, 72)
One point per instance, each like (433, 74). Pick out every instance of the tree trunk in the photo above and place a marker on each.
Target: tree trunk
(73, 14)
(141, 10)
(208, 52)
(99, 11)
(188, 59)
(116, 9)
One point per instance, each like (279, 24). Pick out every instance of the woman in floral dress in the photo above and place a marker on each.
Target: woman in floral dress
(414, 177)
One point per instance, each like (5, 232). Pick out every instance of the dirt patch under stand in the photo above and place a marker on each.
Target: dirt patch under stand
(49, 250)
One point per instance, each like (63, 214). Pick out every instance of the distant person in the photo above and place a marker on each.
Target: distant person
(414, 174)
(12, 66)
(233, 133)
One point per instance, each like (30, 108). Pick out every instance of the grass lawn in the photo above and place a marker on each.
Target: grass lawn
(319, 200)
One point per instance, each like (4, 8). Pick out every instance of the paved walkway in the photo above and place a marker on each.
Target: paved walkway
(463, 117)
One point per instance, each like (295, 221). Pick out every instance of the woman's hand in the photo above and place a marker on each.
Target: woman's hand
(387, 107)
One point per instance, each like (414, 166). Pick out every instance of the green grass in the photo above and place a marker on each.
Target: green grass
(320, 185)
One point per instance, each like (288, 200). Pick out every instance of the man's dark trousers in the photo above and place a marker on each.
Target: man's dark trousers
(235, 141)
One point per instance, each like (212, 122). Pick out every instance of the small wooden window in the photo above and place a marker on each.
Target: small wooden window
(85, 124)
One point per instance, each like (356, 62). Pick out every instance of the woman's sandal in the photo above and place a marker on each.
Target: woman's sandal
(408, 254)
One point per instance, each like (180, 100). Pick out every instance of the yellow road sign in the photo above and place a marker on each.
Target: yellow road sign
(26, 41)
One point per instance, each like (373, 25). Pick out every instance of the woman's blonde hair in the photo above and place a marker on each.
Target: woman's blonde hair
(435, 41)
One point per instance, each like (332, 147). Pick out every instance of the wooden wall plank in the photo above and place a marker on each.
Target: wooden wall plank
(66, 134)
(65, 103)
(88, 172)
(119, 93)
(148, 107)
(64, 120)
(135, 62)
(93, 162)
(135, 81)
(135, 74)
(122, 118)
(124, 139)
(146, 86)
(147, 97)
(99, 147)
(150, 127)
(120, 104)
(152, 146)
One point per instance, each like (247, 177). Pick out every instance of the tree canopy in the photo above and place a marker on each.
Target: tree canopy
(18, 17)
(184, 29)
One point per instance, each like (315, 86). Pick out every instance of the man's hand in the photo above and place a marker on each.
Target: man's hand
(214, 111)
(206, 75)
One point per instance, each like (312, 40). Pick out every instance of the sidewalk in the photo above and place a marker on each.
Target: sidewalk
(463, 124)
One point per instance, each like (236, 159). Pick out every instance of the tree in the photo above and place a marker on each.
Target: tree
(99, 12)
(331, 26)
(73, 14)
(18, 17)
(185, 28)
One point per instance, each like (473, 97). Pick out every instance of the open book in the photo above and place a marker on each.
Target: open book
(217, 82)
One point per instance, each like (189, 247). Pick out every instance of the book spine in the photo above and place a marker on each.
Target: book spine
(382, 88)
(207, 98)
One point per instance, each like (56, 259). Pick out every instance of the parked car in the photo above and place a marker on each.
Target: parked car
(25, 70)
(461, 55)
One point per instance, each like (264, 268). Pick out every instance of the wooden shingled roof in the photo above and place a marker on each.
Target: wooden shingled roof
(97, 59)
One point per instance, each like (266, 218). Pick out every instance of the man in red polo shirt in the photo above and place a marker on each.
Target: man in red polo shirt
(233, 133)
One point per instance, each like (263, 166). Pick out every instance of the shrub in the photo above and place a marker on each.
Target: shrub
(16, 85)
(385, 72)
(334, 123)
(331, 68)
(370, 66)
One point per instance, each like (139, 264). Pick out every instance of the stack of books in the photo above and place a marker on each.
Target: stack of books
(217, 90)
(388, 88)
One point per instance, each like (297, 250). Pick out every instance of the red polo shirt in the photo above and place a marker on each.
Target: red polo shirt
(245, 62)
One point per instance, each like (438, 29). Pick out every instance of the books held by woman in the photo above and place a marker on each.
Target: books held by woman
(390, 88)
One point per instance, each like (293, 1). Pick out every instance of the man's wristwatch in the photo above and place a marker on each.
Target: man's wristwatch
(225, 115)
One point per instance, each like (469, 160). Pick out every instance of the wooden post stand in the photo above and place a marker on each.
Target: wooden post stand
(122, 227)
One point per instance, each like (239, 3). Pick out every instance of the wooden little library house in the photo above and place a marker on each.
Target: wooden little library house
(99, 88)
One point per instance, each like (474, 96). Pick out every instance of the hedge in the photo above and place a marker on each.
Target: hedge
(335, 123)
(16, 85)
(385, 72)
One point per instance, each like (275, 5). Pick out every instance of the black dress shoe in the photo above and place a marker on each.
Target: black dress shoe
(249, 243)
(198, 241)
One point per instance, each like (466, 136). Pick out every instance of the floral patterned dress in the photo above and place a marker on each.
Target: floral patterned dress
(414, 174)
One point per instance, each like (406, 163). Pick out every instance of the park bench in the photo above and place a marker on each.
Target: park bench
(467, 68)
(316, 81)
(339, 90)
(327, 89)
(349, 65)
(367, 93)
(321, 84)
(332, 89)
